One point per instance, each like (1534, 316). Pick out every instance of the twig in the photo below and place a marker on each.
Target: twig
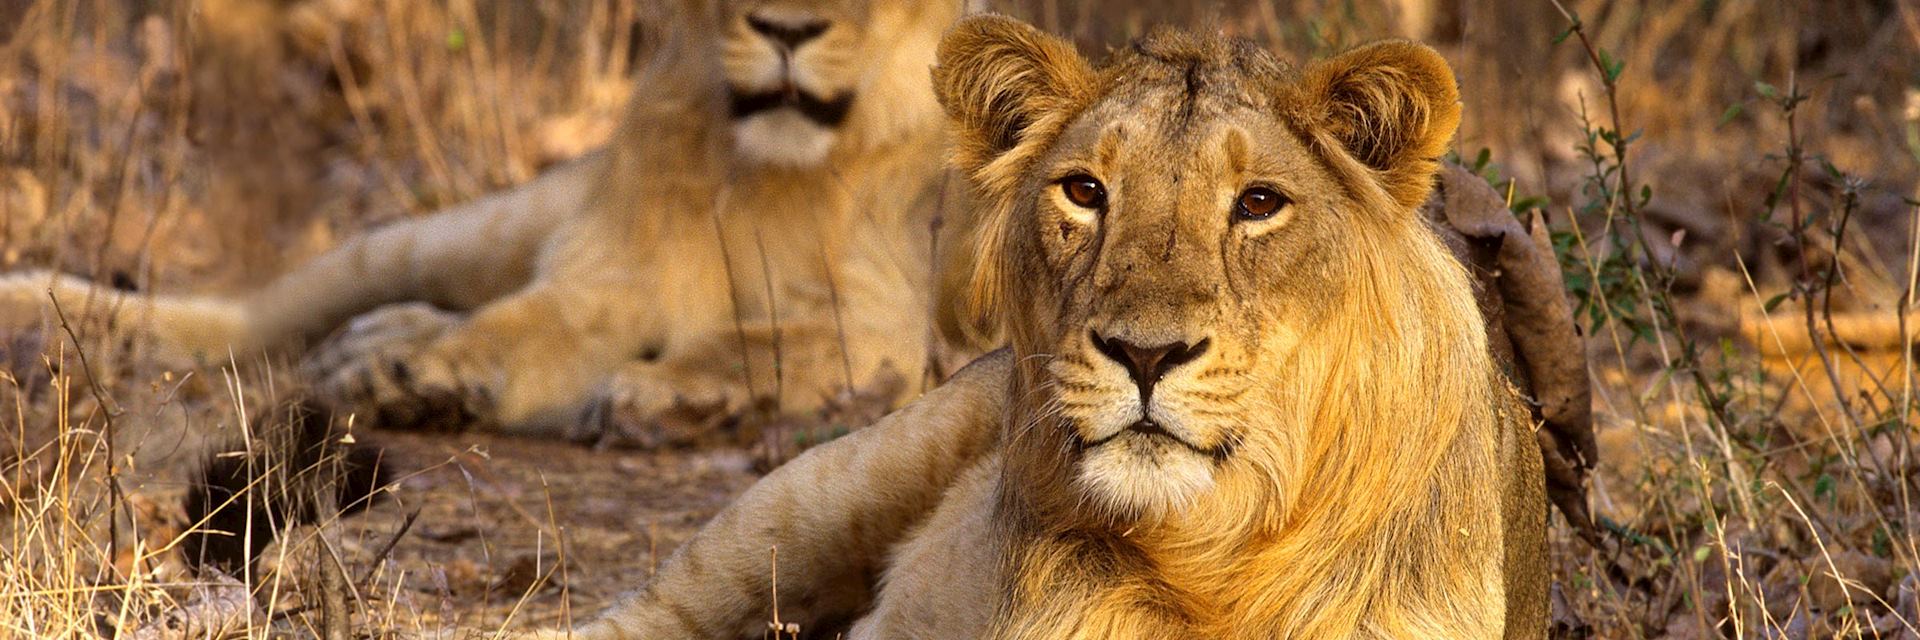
(560, 542)
(733, 289)
(109, 411)
(380, 557)
(334, 590)
(935, 370)
(773, 317)
(1906, 367)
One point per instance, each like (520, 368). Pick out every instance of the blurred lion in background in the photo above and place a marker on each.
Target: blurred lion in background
(757, 235)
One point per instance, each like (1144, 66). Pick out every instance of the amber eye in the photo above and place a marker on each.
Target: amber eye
(1258, 203)
(1084, 191)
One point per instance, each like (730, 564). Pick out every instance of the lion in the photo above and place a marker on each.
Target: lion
(756, 234)
(1247, 391)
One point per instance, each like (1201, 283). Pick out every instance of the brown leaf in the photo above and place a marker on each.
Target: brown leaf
(1862, 578)
(1530, 326)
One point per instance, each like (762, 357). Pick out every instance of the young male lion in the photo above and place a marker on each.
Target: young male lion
(1248, 393)
(756, 232)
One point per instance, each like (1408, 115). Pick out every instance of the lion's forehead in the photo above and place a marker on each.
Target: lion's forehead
(1182, 106)
(1166, 136)
(1199, 71)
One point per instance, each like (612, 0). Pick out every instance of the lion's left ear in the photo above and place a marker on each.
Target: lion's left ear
(1391, 105)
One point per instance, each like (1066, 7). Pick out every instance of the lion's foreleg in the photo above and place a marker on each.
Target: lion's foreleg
(830, 517)
(650, 404)
(799, 368)
(521, 364)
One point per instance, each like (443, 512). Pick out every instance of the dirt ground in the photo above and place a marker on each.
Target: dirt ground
(496, 516)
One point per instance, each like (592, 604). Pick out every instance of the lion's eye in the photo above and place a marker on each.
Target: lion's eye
(1258, 203)
(1084, 191)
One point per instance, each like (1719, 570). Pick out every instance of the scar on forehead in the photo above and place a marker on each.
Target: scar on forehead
(1237, 150)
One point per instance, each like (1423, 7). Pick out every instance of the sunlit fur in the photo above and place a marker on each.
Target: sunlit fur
(1342, 461)
(688, 238)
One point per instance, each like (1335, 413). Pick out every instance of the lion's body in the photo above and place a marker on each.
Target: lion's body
(1212, 421)
(711, 259)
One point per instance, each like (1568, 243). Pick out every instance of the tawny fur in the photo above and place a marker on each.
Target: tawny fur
(698, 266)
(1343, 460)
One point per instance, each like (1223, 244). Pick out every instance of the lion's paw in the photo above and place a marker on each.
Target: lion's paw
(639, 408)
(407, 326)
(403, 375)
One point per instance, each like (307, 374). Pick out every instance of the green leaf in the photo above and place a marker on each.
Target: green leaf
(1832, 171)
(1776, 300)
(1568, 33)
(1700, 553)
(1530, 202)
(1766, 90)
(1611, 66)
(1732, 112)
(456, 39)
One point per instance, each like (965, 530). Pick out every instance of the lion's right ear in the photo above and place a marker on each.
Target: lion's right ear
(1002, 81)
(1392, 105)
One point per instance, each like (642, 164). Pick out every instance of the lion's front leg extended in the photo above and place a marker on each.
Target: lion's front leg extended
(834, 514)
(518, 365)
(389, 339)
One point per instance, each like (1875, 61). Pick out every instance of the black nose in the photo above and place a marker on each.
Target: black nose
(789, 32)
(1148, 364)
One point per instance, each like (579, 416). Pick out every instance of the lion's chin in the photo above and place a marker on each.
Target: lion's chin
(1145, 476)
(783, 138)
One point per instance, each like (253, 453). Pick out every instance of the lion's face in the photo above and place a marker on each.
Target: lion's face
(1179, 229)
(1170, 233)
(798, 72)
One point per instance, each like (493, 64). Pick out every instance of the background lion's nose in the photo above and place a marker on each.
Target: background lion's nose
(788, 31)
(1147, 364)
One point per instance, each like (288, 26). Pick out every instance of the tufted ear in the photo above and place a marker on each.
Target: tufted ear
(1391, 105)
(1001, 80)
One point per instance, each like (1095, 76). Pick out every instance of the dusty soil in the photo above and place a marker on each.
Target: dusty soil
(496, 515)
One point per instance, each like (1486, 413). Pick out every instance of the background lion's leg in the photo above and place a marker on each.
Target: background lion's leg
(653, 404)
(799, 369)
(519, 365)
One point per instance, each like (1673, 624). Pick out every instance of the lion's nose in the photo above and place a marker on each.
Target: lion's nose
(1148, 364)
(788, 31)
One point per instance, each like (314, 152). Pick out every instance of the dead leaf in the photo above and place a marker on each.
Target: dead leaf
(1530, 326)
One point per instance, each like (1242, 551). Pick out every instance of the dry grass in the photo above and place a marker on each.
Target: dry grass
(1758, 475)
